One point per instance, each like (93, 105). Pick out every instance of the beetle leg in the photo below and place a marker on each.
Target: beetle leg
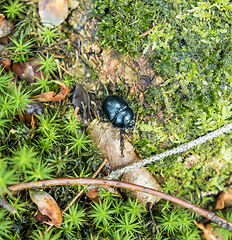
(120, 91)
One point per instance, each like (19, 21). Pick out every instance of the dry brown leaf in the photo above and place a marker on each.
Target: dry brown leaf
(47, 206)
(116, 66)
(53, 12)
(28, 70)
(80, 97)
(62, 93)
(81, 101)
(5, 63)
(32, 109)
(224, 199)
(5, 26)
(93, 195)
(42, 218)
(108, 140)
(209, 233)
(44, 97)
(157, 80)
(52, 96)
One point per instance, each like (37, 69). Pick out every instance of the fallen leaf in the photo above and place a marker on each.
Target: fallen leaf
(109, 141)
(63, 92)
(93, 195)
(157, 80)
(42, 218)
(81, 100)
(209, 232)
(5, 26)
(44, 97)
(32, 109)
(80, 97)
(47, 206)
(28, 70)
(53, 12)
(6, 63)
(224, 199)
(52, 96)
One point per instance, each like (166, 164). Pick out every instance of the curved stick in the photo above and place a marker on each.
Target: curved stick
(102, 182)
(7, 206)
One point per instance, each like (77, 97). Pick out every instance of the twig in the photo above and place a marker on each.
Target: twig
(7, 206)
(181, 148)
(79, 194)
(103, 182)
(148, 32)
(66, 71)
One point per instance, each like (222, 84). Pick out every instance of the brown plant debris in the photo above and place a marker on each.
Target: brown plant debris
(52, 96)
(47, 206)
(225, 199)
(120, 153)
(104, 182)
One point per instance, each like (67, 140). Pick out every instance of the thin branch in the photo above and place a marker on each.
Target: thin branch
(103, 182)
(7, 206)
(80, 193)
(181, 148)
(148, 32)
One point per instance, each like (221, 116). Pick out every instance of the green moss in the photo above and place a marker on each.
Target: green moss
(191, 47)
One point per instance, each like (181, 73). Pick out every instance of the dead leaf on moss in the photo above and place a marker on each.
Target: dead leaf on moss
(53, 12)
(6, 62)
(45, 97)
(81, 101)
(28, 71)
(209, 233)
(93, 195)
(112, 67)
(52, 96)
(157, 80)
(108, 140)
(47, 206)
(62, 93)
(28, 116)
(5, 26)
(224, 199)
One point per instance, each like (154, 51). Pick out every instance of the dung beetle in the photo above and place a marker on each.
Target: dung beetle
(118, 112)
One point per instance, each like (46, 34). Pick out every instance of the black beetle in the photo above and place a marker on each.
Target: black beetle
(118, 112)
